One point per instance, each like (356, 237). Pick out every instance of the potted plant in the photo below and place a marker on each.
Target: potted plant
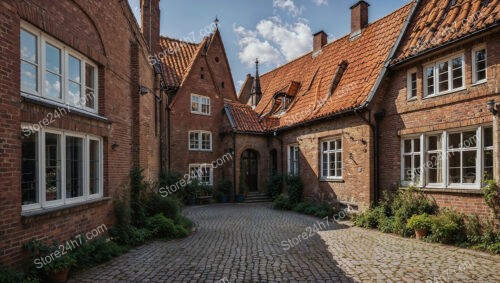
(223, 190)
(421, 224)
(58, 270)
(57, 263)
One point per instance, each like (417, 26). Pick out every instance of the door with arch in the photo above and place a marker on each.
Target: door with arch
(249, 170)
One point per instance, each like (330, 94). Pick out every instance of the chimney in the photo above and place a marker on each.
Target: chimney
(320, 39)
(150, 17)
(359, 18)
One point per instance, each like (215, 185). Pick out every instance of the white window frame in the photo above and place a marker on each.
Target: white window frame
(199, 135)
(485, 148)
(474, 64)
(41, 169)
(293, 165)
(199, 166)
(41, 40)
(409, 87)
(445, 154)
(413, 155)
(441, 153)
(334, 177)
(435, 66)
(199, 111)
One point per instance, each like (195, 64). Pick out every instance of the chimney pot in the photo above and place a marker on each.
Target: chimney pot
(359, 17)
(320, 39)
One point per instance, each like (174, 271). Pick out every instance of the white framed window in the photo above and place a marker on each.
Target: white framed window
(54, 72)
(444, 76)
(411, 158)
(331, 159)
(411, 84)
(293, 159)
(201, 172)
(200, 104)
(60, 167)
(479, 64)
(457, 159)
(200, 140)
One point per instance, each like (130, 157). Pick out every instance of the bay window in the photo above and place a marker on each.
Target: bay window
(60, 167)
(444, 76)
(331, 159)
(54, 72)
(457, 159)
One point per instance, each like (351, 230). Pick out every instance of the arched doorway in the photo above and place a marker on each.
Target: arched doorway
(249, 171)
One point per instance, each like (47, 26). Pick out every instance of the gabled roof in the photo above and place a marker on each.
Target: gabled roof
(179, 57)
(243, 118)
(323, 90)
(245, 90)
(438, 22)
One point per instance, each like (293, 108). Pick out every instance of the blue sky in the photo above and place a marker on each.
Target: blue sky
(275, 31)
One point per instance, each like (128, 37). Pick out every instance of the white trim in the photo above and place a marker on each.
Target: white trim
(41, 40)
(203, 165)
(435, 66)
(200, 107)
(294, 146)
(476, 48)
(41, 165)
(334, 177)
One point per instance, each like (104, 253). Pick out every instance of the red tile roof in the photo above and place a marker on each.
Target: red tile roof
(177, 58)
(437, 22)
(244, 118)
(313, 75)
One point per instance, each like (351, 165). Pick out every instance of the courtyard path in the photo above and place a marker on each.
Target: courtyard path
(254, 243)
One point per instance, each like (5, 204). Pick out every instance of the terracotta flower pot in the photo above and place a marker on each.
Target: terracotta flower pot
(58, 276)
(420, 234)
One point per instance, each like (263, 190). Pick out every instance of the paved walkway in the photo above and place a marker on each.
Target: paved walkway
(253, 243)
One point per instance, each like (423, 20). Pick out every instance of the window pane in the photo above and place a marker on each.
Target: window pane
(332, 164)
(443, 76)
(430, 80)
(434, 142)
(193, 141)
(74, 91)
(29, 49)
(332, 145)
(407, 146)
(408, 172)
(488, 165)
(454, 165)
(325, 146)
(413, 91)
(480, 65)
(74, 167)
(469, 140)
(53, 85)
(454, 141)
(339, 144)
(29, 169)
(488, 137)
(457, 72)
(469, 167)
(90, 86)
(205, 141)
(435, 168)
(52, 59)
(416, 145)
(29, 76)
(52, 167)
(325, 164)
(89, 98)
(94, 167)
(195, 106)
(339, 164)
(74, 68)
(205, 108)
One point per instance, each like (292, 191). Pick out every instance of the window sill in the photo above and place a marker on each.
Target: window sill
(479, 83)
(32, 216)
(200, 150)
(54, 104)
(200, 113)
(411, 99)
(450, 191)
(332, 180)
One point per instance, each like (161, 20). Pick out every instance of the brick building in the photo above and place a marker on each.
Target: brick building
(78, 105)
(437, 132)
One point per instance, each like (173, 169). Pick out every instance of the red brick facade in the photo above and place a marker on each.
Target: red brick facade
(107, 34)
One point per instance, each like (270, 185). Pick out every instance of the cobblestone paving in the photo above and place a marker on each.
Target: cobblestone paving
(243, 243)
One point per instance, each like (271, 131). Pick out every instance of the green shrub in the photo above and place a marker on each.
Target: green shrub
(275, 185)
(282, 202)
(319, 210)
(294, 185)
(169, 178)
(491, 195)
(419, 222)
(180, 232)
(372, 217)
(160, 226)
(386, 224)
(184, 222)
(447, 227)
(8, 275)
(167, 206)
(96, 252)
(129, 235)
(473, 230)
(408, 203)
(138, 186)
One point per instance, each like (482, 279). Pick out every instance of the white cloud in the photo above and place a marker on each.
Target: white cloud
(252, 47)
(289, 6)
(320, 2)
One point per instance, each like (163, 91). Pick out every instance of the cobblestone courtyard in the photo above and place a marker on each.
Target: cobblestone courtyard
(243, 243)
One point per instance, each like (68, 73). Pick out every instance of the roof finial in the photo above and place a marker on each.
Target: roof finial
(257, 64)
(216, 21)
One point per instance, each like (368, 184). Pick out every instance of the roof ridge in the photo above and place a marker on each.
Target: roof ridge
(178, 40)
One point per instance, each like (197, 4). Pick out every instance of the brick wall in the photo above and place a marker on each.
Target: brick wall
(456, 110)
(106, 33)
